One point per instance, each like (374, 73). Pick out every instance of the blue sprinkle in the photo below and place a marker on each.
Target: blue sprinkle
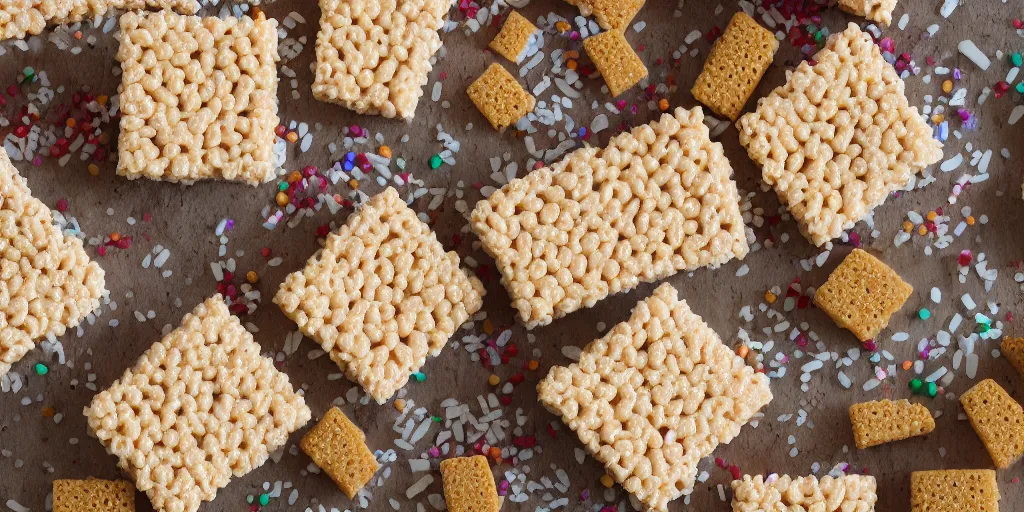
(348, 166)
(350, 157)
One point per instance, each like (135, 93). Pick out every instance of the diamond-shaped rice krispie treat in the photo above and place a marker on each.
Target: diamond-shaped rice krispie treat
(200, 406)
(198, 98)
(93, 495)
(864, 143)
(879, 11)
(861, 294)
(997, 419)
(610, 14)
(885, 421)
(954, 490)
(469, 485)
(48, 282)
(656, 201)
(373, 56)
(619, 65)
(515, 38)
(500, 98)
(847, 493)
(735, 66)
(654, 396)
(381, 295)
(338, 447)
(19, 18)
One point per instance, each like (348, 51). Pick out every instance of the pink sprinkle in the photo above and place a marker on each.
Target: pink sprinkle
(434, 452)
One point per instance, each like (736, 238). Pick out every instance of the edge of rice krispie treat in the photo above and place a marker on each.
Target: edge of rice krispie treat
(49, 283)
(20, 19)
(954, 490)
(846, 493)
(884, 421)
(93, 495)
(612, 55)
(879, 11)
(338, 447)
(1013, 350)
(654, 396)
(866, 142)
(997, 419)
(862, 294)
(656, 201)
(381, 295)
(735, 66)
(469, 485)
(199, 407)
(206, 108)
(610, 14)
(516, 37)
(500, 98)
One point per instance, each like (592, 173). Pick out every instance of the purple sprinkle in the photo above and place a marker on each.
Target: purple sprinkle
(434, 452)
(956, 74)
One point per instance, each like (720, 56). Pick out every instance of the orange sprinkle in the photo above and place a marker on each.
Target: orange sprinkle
(115, 236)
(606, 480)
(282, 199)
(71, 122)
(292, 137)
(252, 277)
(570, 55)
(94, 169)
(493, 380)
(294, 176)
(921, 230)
(663, 104)
(48, 412)
(931, 216)
(102, 100)
(571, 65)
(908, 226)
(400, 404)
(563, 26)
(947, 86)
(494, 452)
(970, 220)
(384, 151)
(938, 118)
(770, 297)
(533, 364)
(742, 351)
(78, 34)
(488, 327)
(907, 365)
(353, 184)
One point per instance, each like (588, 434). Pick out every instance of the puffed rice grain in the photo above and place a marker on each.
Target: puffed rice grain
(20, 18)
(847, 493)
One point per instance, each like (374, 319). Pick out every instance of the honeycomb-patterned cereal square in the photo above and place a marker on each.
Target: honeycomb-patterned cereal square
(381, 295)
(199, 407)
(654, 396)
(845, 493)
(516, 36)
(839, 137)
(20, 18)
(997, 419)
(735, 66)
(500, 98)
(656, 201)
(49, 283)
(338, 447)
(610, 14)
(954, 490)
(1013, 350)
(861, 294)
(469, 485)
(93, 495)
(879, 11)
(612, 55)
(885, 421)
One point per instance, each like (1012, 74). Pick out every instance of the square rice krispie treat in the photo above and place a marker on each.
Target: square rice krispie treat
(861, 294)
(500, 98)
(735, 66)
(381, 295)
(198, 98)
(469, 485)
(656, 201)
(610, 14)
(93, 495)
(49, 283)
(200, 406)
(885, 421)
(612, 55)
(654, 396)
(864, 142)
(373, 56)
(997, 419)
(516, 38)
(19, 18)
(338, 447)
(1013, 350)
(879, 11)
(954, 490)
(846, 493)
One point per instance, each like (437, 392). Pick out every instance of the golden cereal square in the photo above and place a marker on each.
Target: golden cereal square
(20, 18)
(864, 143)
(610, 14)
(338, 447)
(654, 396)
(549, 232)
(93, 495)
(199, 407)
(997, 419)
(885, 421)
(500, 98)
(954, 490)
(516, 36)
(845, 493)
(861, 294)
(735, 66)
(1013, 350)
(469, 485)
(879, 11)
(198, 98)
(612, 55)
(49, 283)
(381, 295)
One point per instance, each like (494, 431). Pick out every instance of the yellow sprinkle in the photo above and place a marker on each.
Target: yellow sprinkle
(770, 297)
(922, 230)
(931, 216)
(384, 151)
(400, 404)
(94, 169)
(252, 277)
(947, 86)
(908, 226)
(970, 220)
(937, 118)
(563, 26)
(607, 481)
(493, 380)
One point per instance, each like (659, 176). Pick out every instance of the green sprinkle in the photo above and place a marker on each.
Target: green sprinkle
(401, 163)
(435, 161)
(419, 376)
(264, 499)
(1016, 59)
(933, 389)
(250, 498)
(915, 385)
(282, 186)
(437, 419)
(924, 314)
(41, 369)
(1020, 87)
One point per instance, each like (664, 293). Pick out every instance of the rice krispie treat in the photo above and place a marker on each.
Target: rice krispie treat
(879, 11)
(865, 140)
(610, 14)
(885, 421)
(19, 18)
(200, 406)
(381, 295)
(847, 493)
(48, 282)
(735, 66)
(373, 56)
(1013, 350)
(338, 447)
(198, 97)
(861, 294)
(997, 419)
(954, 490)
(656, 201)
(93, 495)
(654, 396)
(612, 55)
(469, 485)
(500, 98)
(516, 38)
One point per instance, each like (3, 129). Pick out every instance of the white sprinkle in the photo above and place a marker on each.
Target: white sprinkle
(17, 507)
(948, 6)
(952, 163)
(419, 486)
(903, 21)
(1016, 114)
(572, 352)
(971, 51)
(972, 365)
(900, 336)
(743, 270)
(968, 301)
(936, 295)
(435, 94)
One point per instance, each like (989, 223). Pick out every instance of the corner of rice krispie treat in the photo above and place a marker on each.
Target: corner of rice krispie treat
(93, 495)
(381, 295)
(373, 56)
(199, 407)
(997, 419)
(654, 396)
(612, 55)
(954, 490)
(469, 485)
(49, 283)
(846, 493)
(879, 11)
(500, 98)
(861, 294)
(735, 66)
(19, 18)
(198, 97)
(1013, 350)
(610, 14)
(885, 421)
(516, 37)
(839, 137)
(656, 201)
(338, 447)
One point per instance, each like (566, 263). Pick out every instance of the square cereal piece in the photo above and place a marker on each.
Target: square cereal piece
(516, 38)
(663, 374)
(612, 55)
(1013, 350)
(861, 294)
(865, 142)
(338, 447)
(847, 493)
(373, 56)
(21, 18)
(500, 98)
(469, 485)
(954, 490)
(610, 14)
(879, 11)
(381, 295)
(93, 495)
(49, 283)
(194, 115)
(200, 406)
(997, 419)
(735, 66)
(562, 211)
(885, 421)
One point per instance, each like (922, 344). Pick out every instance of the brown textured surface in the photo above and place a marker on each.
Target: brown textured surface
(514, 36)
(1013, 351)
(954, 490)
(618, 63)
(93, 495)
(500, 98)
(735, 66)
(884, 421)
(861, 294)
(338, 447)
(998, 420)
(469, 485)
